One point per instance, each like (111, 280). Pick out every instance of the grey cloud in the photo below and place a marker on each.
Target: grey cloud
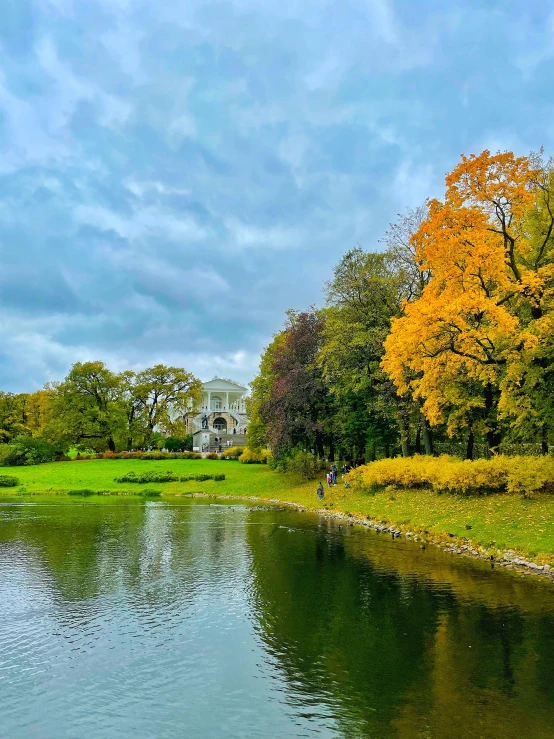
(176, 175)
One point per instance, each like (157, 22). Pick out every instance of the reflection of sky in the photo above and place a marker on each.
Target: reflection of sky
(148, 632)
(122, 618)
(165, 163)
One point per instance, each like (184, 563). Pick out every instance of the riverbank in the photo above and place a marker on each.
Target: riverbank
(508, 530)
(448, 542)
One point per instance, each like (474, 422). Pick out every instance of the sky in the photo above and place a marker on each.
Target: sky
(175, 175)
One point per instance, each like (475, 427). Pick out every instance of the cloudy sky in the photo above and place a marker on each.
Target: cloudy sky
(176, 174)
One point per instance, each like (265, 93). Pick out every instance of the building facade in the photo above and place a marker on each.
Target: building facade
(220, 419)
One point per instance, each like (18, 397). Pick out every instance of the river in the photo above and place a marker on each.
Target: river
(129, 618)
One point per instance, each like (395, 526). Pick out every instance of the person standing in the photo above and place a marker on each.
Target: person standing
(334, 473)
(320, 492)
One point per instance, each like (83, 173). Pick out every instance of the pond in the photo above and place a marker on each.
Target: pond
(128, 618)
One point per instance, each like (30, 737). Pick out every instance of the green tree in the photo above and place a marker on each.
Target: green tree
(13, 418)
(88, 408)
(160, 392)
(365, 293)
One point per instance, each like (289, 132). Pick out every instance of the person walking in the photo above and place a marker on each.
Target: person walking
(320, 492)
(329, 479)
(334, 473)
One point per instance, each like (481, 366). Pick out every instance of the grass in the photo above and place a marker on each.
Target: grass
(497, 522)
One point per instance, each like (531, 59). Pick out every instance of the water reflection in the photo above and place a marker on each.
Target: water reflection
(403, 642)
(160, 619)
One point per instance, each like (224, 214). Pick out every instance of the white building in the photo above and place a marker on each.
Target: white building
(220, 419)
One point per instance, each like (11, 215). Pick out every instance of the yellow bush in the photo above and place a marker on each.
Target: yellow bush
(449, 474)
(233, 452)
(255, 456)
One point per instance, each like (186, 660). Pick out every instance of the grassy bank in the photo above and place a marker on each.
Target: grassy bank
(497, 522)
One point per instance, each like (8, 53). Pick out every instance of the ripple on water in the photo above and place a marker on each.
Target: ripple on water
(215, 621)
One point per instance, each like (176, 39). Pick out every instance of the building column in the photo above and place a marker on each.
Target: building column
(209, 401)
(227, 401)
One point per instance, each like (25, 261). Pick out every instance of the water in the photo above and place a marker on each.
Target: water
(123, 618)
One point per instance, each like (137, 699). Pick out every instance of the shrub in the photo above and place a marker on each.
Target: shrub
(219, 478)
(233, 452)
(254, 456)
(523, 475)
(84, 491)
(63, 458)
(149, 476)
(111, 455)
(212, 455)
(25, 450)
(154, 476)
(304, 464)
(173, 444)
(8, 481)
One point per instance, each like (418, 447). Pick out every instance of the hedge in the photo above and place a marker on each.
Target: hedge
(153, 476)
(8, 481)
(522, 475)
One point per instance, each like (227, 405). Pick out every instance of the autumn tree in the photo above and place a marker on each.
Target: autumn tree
(257, 432)
(38, 411)
(296, 407)
(484, 317)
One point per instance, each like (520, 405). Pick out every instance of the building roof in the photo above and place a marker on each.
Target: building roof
(219, 384)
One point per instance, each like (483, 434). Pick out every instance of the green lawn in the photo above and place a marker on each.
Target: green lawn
(497, 521)
(99, 474)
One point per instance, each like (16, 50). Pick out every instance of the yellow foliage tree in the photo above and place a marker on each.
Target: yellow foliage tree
(467, 343)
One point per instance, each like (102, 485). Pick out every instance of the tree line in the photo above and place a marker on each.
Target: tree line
(446, 335)
(95, 408)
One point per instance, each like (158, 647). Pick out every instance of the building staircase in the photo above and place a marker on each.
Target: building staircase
(235, 439)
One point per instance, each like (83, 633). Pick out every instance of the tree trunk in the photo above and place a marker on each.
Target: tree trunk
(111, 444)
(427, 438)
(425, 430)
(418, 438)
(130, 443)
(405, 432)
(319, 445)
(374, 451)
(544, 440)
(493, 440)
(331, 450)
(387, 450)
(493, 435)
(470, 444)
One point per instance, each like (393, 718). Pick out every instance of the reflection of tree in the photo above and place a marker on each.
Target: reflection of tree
(69, 541)
(398, 655)
(339, 631)
(156, 553)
